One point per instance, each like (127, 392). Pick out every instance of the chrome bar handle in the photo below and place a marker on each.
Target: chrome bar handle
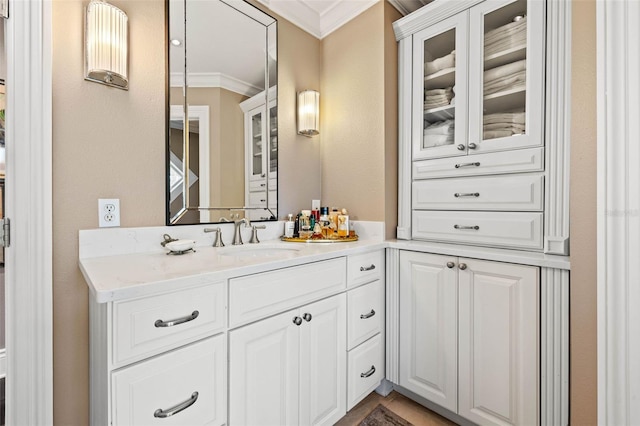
(163, 414)
(476, 164)
(368, 373)
(466, 194)
(307, 317)
(369, 315)
(160, 323)
(367, 268)
(476, 227)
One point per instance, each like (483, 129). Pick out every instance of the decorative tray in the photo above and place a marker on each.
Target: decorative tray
(320, 240)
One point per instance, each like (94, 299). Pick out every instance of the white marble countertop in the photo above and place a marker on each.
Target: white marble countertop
(123, 263)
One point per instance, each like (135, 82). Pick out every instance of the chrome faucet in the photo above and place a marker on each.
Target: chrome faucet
(237, 236)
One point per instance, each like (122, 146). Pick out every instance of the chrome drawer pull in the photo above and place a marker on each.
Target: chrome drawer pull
(178, 321)
(369, 315)
(466, 194)
(476, 164)
(163, 414)
(367, 268)
(368, 373)
(466, 227)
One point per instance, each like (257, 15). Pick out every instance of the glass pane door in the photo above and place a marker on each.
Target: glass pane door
(257, 159)
(508, 55)
(440, 89)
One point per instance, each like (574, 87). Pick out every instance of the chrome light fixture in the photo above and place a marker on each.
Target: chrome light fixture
(309, 113)
(106, 45)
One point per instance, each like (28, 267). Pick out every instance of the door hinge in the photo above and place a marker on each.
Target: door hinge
(5, 232)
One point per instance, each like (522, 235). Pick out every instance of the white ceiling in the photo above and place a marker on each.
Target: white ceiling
(322, 17)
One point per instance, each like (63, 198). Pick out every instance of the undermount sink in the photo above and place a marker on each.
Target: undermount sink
(259, 251)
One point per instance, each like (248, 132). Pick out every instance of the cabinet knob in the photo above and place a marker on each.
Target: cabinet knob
(462, 266)
(297, 320)
(472, 145)
(460, 147)
(450, 265)
(307, 317)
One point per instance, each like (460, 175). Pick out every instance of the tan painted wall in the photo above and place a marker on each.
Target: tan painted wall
(359, 116)
(106, 143)
(583, 216)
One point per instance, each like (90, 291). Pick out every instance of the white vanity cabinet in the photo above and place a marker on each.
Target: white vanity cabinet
(469, 336)
(160, 359)
(290, 368)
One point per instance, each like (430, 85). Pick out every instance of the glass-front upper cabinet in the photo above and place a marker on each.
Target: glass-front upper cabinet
(506, 75)
(440, 89)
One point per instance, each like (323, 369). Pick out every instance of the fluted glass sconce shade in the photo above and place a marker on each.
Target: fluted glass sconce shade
(106, 50)
(309, 113)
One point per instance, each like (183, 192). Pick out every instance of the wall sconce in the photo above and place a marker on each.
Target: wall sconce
(309, 113)
(106, 40)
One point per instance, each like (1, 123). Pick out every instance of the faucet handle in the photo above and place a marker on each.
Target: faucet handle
(254, 233)
(218, 241)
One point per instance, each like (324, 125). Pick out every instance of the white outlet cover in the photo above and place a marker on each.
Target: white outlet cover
(108, 212)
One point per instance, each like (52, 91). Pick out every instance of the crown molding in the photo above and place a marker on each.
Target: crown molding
(318, 24)
(214, 79)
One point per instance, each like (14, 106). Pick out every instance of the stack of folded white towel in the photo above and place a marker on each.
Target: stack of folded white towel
(514, 34)
(506, 77)
(439, 64)
(435, 98)
(503, 124)
(438, 134)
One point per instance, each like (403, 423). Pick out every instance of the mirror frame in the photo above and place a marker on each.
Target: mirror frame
(263, 18)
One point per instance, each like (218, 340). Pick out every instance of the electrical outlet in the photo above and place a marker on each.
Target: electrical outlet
(108, 212)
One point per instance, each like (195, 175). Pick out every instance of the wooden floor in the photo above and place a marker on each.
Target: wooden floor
(404, 407)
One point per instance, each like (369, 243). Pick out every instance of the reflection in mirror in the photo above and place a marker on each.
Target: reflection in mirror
(222, 136)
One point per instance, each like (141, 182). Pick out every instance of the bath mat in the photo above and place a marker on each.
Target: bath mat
(382, 416)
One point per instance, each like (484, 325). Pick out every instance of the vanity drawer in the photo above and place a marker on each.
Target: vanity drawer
(365, 369)
(520, 160)
(364, 268)
(256, 296)
(258, 198)
(365, 312)
(141, 392)
(258, 185)
(151, 325)
(500, 229)
(504, 193)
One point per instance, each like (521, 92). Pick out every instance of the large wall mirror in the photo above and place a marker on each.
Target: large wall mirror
(222, 114)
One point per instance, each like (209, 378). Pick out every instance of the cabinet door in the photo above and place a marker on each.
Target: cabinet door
(506, 75)
(439, 87)
(323, 362)
(499, 349)
(428, 326)
(263, 372)
(255, 126)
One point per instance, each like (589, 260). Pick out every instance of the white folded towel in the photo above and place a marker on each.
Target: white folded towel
(504, 70)
(447, 61)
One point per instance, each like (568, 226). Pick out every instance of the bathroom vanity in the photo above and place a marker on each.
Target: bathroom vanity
(269, 333)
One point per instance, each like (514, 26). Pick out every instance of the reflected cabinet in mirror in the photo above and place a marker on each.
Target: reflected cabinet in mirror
(222, 115)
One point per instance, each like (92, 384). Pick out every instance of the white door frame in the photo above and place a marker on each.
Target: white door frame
(618, 212)
(28, 277)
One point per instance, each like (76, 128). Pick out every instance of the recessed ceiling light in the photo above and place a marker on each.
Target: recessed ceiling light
(176, 42)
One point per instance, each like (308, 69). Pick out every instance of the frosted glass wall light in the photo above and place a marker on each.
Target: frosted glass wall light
(106, 50)
(309, 113)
